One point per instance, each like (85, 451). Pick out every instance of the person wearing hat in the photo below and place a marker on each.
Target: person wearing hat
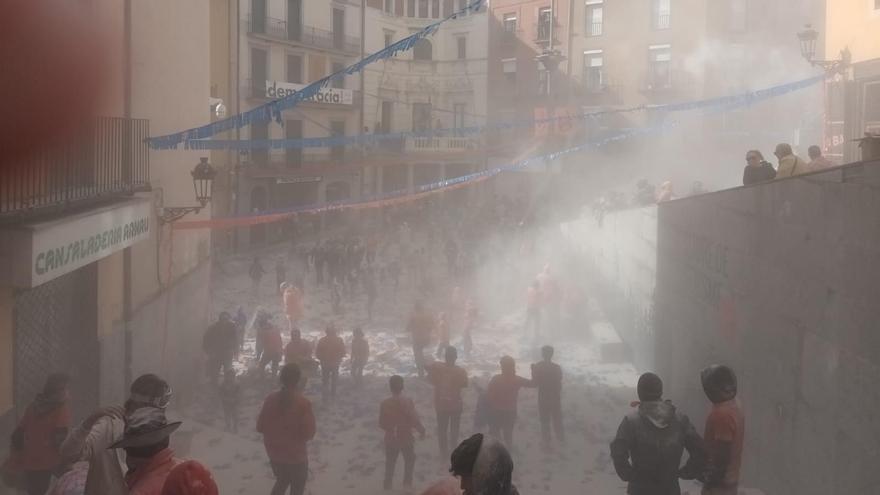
(484, 466)
(90, 441)
(148, 454)
(725, 429)
(650, 442)
(287, 424)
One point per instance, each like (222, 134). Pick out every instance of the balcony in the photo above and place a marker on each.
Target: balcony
(278, 29)
(108, 158)
(660, 20)
(594, 29)
(662, 83)
(430, 144)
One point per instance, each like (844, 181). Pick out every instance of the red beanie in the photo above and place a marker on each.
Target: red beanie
(190, 478)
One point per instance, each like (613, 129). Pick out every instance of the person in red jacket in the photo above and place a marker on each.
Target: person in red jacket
(502, 395)
(148, 454)
(330, 351)
(398, 418)
(725, 431)
(287, 424)
(360, 353)
(190, 478)
(269, 336)
(36, 442)
(448, 381)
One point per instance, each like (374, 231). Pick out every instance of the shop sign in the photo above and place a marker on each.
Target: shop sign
(297, 180)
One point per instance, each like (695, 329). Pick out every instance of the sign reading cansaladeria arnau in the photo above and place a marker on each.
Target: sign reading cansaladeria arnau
(49, 250)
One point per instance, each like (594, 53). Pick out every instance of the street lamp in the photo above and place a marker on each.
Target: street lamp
(808, 38)
(203, 186)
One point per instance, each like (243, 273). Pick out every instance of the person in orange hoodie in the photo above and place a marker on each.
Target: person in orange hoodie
(36, 442)
(503, 394)
(287, 424)
(190, 478)
(398, 418)
(360, 353)
(293, 304)
(330, 351)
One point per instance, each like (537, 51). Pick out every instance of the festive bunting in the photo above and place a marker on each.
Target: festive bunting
(725, 103)
(272, 110)
(403, 195)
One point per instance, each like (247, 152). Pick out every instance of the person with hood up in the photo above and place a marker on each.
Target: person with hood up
(36, 442)
(503, 395)
(148, 454)
(725, 429)
(650, 441)
(330, 352)
(398, 418)
(484, 467)
(287, 424)
(190, 478)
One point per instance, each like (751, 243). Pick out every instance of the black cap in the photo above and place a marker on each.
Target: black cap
(650, 387)
(719, 383)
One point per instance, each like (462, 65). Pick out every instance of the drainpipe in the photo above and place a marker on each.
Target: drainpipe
(126, 253)
(237, 82)
(361, 169)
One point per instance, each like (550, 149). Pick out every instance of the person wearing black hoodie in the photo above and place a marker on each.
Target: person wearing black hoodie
(650, 441)
(757, 169)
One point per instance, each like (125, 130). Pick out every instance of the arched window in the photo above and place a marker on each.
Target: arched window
(423, 50)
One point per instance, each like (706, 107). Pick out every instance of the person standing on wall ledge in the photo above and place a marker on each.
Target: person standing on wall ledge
(725, 429)
(789, 163)
(757, 169)
(817, 160)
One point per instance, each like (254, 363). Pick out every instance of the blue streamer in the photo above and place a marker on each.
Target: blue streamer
(268, 111)
(724, 103)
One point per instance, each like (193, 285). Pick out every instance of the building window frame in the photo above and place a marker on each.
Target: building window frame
(594, 71)
(337, 82)
(458, 115)
(508, 68)
(543, 26)
(302, 66)
(592, 25)
(661, 14)
(461, 47)
(509, 22)
(660, 66)
(423, 51)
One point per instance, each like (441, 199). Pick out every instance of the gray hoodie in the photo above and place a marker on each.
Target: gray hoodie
(648, 448)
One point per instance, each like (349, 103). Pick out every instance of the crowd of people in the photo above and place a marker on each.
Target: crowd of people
(758, 169)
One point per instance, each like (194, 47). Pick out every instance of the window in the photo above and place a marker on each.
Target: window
(337, 82)
(462, 47)
(508, 67)
(293, 130)
(389, 6)
(447, 8)
(337, 128)
(458, 115)
(260, 131)
(387, 113)
(544, 23)
(411, 8)
(659, 72)
(421, 116)
(736, 18)
(338, 28)
(594, 75)
(423, 8)
(389, 38)
(259, 72)
(423, 50)
(294, 19)
(595, 12)
(295, 69)
(509, 23)
(543, 80)
(435, 9)
(660, 14)
(876, 4)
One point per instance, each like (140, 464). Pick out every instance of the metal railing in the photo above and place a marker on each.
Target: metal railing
(594, 29)
(307, 35)
(661, 20)
(440, 143)
(108, 158)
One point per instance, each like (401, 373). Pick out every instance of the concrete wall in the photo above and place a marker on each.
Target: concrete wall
(623, 253)
(7, 350)
(780, 282)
